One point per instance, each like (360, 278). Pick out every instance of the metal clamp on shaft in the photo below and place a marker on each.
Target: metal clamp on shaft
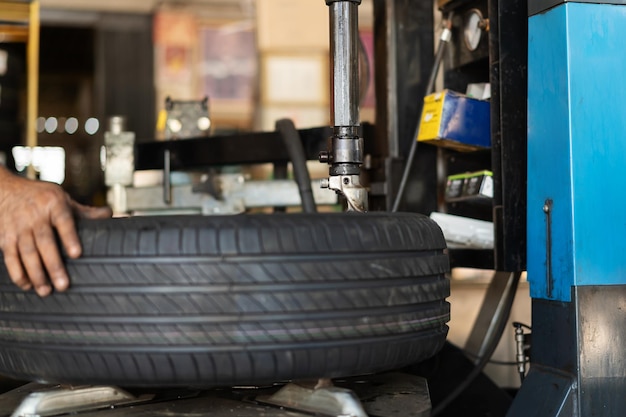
(345, 148)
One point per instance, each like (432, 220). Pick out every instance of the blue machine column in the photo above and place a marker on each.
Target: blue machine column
(576, 209)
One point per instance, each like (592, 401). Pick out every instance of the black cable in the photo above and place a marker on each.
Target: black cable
(480, 366)
(484, 360)
(492, 361)
(292, 141)
(430, 87)
(518, 324)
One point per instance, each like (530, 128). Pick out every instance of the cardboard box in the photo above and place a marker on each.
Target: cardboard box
(453, 120)
(300, 25)
(295, 79)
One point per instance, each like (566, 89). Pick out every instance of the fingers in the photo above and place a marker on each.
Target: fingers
(31, 261)
(15, 269)
(62, 220)
(30, 214)
(49, 252)
(30, 257)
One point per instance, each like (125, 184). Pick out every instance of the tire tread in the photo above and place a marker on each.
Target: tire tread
(190, 300)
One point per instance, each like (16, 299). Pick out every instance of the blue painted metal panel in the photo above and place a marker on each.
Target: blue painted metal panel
(598, 120)
(549, 155)
(577, 148)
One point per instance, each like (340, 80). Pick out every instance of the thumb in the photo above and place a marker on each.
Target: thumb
(88, 212)
(97, 213)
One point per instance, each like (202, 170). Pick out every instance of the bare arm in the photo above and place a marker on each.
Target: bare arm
(30, 213)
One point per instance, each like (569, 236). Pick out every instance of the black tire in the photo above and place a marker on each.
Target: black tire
(249, 299)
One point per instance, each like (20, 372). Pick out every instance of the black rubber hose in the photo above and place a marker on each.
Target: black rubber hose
(292, 141)
(430, 87)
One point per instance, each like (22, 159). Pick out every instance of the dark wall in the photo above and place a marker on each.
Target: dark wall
(125, 71)
(12, 84)
(95, 65)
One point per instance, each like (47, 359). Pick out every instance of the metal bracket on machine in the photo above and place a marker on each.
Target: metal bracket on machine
(350, 187)
(210, 195)
(320, 398)
(382, 395)
(40, 400)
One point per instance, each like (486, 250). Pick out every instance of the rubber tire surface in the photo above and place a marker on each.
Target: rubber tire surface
(219, 301)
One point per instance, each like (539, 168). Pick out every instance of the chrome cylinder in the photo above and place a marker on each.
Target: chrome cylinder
(344, 41)
(345, 153)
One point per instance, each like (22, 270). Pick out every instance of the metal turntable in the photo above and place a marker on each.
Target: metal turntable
(382, 395)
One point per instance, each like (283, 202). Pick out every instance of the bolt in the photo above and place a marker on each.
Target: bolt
(547, 206)
(324, 157)
(324, 183)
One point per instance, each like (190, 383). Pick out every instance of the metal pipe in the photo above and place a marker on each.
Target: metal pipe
(344, 49)
(345, 153)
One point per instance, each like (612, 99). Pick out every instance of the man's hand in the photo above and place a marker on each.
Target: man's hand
(30, 213)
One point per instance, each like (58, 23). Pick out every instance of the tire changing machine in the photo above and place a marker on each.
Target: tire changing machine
(576, 159)
(383, 395)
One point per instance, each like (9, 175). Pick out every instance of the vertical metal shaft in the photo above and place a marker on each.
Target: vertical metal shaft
(345, 153)
(344, 41)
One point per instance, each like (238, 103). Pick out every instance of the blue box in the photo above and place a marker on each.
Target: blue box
(454, 120)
